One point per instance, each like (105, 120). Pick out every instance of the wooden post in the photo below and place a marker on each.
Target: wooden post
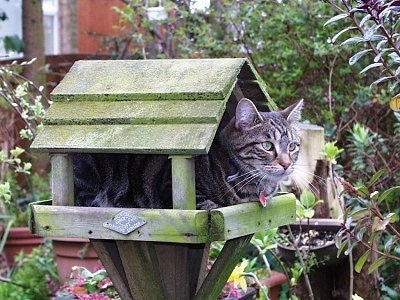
(182, 266)
(62, 180)
(183, 182)
(223, 267)
(108, 253)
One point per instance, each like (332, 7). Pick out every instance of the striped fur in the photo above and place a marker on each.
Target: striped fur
(249, 157)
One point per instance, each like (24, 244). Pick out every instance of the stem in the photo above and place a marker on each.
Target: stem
(351, 267)
(303, 264)
(7, 280)
(264, 258)
(330, 83)
(369, 246)
(262, 287)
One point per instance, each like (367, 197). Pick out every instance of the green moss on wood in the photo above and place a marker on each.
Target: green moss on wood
(239, 220)
(134, 112)
(175, 79)
(165, 225)
(156, 139)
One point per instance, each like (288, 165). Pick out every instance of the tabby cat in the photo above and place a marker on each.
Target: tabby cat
(246, 162)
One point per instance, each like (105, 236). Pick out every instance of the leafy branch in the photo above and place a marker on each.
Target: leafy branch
(372, 226)
(376, 29)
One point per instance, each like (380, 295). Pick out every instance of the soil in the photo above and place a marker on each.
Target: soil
(307, 238)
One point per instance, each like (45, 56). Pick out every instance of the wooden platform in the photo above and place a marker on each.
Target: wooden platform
(163, 225)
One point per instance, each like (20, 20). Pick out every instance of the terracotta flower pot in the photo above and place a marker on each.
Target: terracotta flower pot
(70, 252)
(20, 239)
(274, 283)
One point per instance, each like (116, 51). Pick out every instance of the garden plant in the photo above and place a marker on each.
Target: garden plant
(22, 107)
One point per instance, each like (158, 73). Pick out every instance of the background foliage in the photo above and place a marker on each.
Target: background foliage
(294, 53)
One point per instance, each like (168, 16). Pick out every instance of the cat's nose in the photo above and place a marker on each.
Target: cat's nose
(284, 160)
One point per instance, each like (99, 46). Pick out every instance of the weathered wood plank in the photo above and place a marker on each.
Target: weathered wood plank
(141, 269)
(181, 266)
(168, 225)
(222, 268)
(165, 225)
(169, 79)
(183, 182)
(62, 179)
(147, 139)
(134, 112)
(239, 220)
(109, 255)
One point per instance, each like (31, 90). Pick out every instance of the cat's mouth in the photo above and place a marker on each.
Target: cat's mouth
(263, 199)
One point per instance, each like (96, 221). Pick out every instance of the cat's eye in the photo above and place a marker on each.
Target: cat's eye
(292, 146)
(268, 146)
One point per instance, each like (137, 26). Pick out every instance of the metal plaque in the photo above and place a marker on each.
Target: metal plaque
(124, 223)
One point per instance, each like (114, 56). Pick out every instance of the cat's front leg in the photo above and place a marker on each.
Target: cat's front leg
(206, 204)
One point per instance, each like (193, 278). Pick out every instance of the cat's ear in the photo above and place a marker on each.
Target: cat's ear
(293, 113)
(247, 114)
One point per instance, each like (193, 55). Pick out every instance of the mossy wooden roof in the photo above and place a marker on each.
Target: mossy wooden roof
(142, 106)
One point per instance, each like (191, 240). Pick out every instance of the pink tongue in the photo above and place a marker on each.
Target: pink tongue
(263, 199)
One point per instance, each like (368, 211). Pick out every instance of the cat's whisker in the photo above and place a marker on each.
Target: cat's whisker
(250, 176)
(305, 185)
(313, 177)
(236, 176)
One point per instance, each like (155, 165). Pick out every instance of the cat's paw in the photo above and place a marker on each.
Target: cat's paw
(207, 205)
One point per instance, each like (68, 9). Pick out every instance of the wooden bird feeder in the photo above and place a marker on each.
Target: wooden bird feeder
(171, 107)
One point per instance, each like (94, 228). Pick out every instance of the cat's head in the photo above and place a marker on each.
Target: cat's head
(265, 144)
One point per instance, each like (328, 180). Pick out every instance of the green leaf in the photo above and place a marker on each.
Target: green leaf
(364, 20)
(307, 199)
(370, 33)
(341, 248)
(357, 56)
(309, 213)
(335, 37)
(256, 242)
(371, 66)
(374, 195)
(27, 166)
(352, 40)
(386, 220)
(394, 85)
(376, 37)
(387, 193)
(351, 247)
(376, 177)
(361, 261)
(16, 152)
(339, 238)
(374, 237)
(382, 79)
(381, 44)
(13, 43)
(363, 192)
(5, 191)
(376, 264)
(360, 212)
(389, 243)
(336, 18)
(299, 210)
